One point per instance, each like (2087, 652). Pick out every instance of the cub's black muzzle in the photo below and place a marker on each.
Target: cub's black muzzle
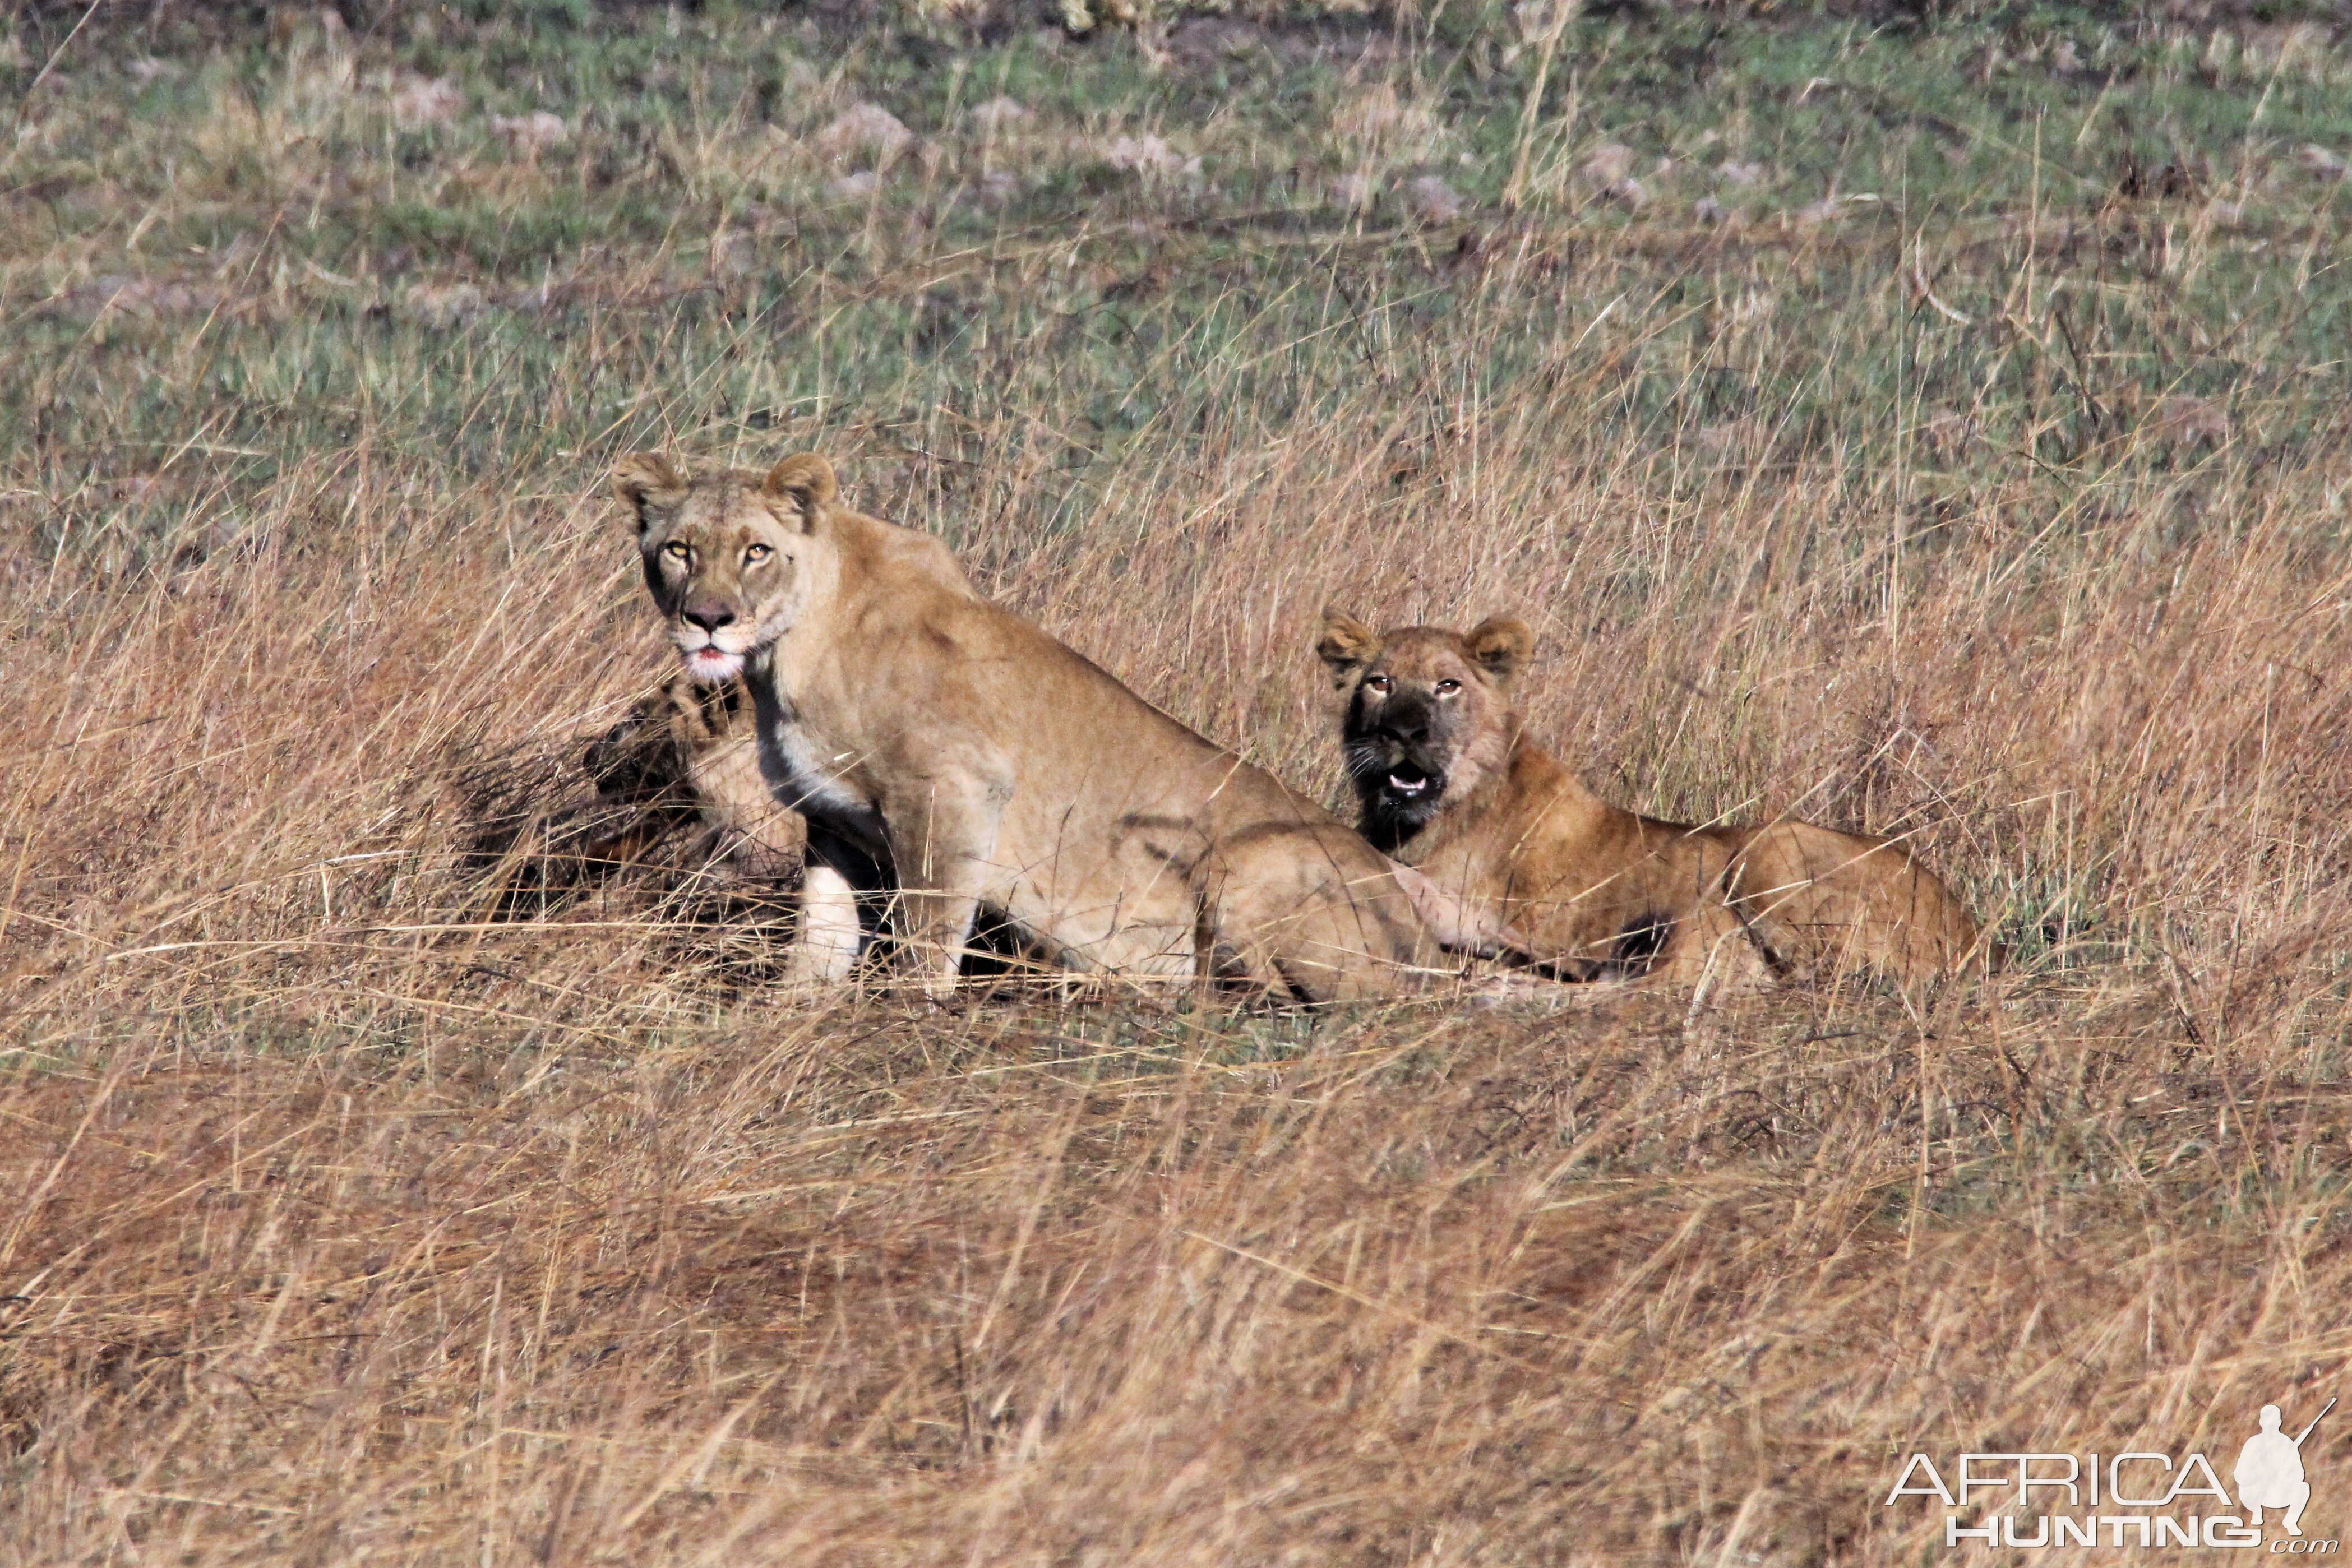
(1405, 720)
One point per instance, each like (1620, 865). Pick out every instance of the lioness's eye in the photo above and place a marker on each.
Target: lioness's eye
(675, 551)
(1378, 684)
(1447, 688)
(756, 554)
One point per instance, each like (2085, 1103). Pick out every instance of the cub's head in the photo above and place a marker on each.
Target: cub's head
(733, 558)
(1429, 712)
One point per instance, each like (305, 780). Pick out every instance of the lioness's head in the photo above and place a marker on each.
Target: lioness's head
(730, 556)
(1429, 711)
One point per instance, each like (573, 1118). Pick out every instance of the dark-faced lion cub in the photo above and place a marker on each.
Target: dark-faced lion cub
(1450, 783)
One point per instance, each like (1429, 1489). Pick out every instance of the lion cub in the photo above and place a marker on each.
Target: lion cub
(697, 745)
(1450, 783)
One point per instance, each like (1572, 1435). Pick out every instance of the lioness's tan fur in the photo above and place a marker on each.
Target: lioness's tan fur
(1451, 784)
(951, 757)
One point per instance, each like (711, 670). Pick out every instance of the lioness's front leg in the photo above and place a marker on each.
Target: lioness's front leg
(829, 938)
(943, 842)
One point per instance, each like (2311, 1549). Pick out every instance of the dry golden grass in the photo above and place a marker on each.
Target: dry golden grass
(349, 1224)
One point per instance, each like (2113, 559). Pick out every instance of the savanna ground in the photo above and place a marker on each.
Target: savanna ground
(1930, 426)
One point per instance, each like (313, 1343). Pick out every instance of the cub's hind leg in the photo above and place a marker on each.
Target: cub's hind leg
(1670, 922)
(1709, 948)
(1820, 898)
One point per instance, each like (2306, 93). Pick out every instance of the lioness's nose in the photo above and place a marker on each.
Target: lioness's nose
(708, 616)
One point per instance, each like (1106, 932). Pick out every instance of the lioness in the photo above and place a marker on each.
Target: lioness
(1450, 783)
(951, 757)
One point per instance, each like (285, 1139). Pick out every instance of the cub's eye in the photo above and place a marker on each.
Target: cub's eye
(676, 551)
(1448, 687)
(756, 554)
(1378, 684)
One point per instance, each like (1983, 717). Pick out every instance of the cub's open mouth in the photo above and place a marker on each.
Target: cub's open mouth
(1411, 782)
(713, 665)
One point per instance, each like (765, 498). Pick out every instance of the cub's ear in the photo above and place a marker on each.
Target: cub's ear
(1347, 645)
(1501, 644)
(806, 481)
(643, 480)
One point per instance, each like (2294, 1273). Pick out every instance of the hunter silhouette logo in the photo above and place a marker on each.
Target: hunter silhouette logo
(2270, 1471)
(2139, 1498)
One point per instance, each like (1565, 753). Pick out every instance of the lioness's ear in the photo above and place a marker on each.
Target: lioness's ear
(806, 481)
(1501, 644)
(1347, 645)
(642, 480)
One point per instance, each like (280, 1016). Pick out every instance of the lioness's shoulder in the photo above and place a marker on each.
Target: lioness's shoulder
(892, 551)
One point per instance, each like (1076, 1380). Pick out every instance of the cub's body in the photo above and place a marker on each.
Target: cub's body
(1452, 785)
